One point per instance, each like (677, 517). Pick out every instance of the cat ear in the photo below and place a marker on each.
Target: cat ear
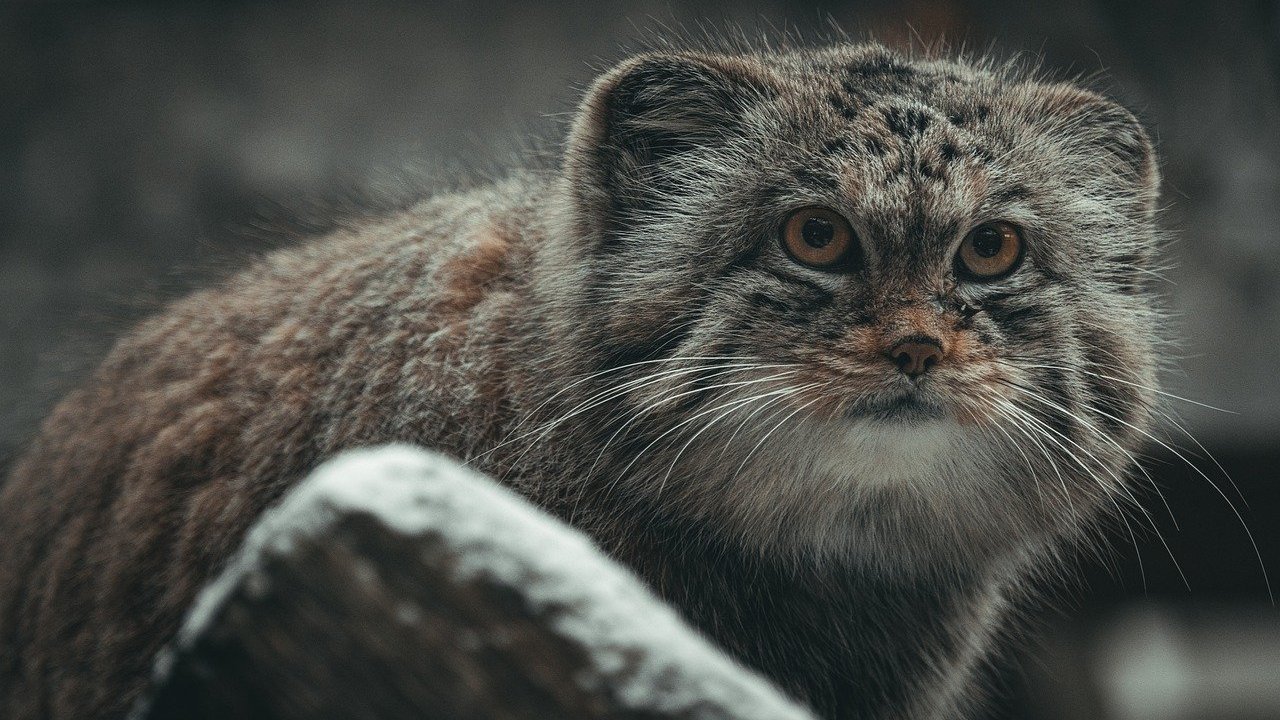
(1113, 135)
(643, 114)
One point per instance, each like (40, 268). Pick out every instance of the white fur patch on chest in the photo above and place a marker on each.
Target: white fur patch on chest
(873, 454)
(882, 489)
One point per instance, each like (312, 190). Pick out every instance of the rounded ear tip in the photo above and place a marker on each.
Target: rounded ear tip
(1111, 125)
(682, 92)
(678, 73)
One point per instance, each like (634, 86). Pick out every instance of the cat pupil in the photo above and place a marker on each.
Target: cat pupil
(817, 233)
(987, 242)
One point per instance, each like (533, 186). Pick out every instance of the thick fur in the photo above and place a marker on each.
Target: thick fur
(624, 341)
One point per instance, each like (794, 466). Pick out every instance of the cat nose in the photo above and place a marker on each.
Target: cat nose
(914, 356)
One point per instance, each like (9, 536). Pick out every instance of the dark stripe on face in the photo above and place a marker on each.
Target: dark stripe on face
(997, 297)
(616, 351)
(1019, 321)
(818, 295)
(764, 300)
(637, 341)
(1115, 400)
(1052, 384)
(1124, 272)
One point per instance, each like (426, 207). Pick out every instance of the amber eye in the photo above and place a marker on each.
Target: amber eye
(817, 237)
(990, 251)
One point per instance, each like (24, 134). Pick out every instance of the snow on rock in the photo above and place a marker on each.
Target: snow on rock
(638, 645)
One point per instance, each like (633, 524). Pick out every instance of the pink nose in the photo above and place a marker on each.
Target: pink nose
(915, 356)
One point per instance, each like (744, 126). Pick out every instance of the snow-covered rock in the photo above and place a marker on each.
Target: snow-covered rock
(394, 582)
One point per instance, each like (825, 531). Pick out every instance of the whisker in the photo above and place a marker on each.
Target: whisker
(1085, 423)
(1121, 486)
(771, 431)
(646, 409)
(729, 442)
(735, 405)
(1249, 533)
(1035, 480)
(1130, 383)
(1033, 433)
(614, 391)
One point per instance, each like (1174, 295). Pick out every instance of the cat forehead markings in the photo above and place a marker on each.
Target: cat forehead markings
(908, 146)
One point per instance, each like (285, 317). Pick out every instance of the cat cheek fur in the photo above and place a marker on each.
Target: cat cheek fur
(664, 143)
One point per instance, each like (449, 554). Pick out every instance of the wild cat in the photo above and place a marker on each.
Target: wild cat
(835, 347)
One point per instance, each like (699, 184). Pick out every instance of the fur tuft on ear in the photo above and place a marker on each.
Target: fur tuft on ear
(643, 113)
(1113, 135)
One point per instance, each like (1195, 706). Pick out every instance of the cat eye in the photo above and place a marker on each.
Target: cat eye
(990, 251)
(817, 237)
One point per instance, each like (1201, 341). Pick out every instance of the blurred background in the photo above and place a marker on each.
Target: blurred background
(146, 147)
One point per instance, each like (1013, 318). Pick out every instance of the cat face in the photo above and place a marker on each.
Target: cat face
(899, 304)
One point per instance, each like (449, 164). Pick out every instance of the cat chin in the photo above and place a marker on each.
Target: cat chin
(894, 494)
(918, 448)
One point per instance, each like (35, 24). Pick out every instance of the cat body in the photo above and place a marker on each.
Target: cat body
(624, 340)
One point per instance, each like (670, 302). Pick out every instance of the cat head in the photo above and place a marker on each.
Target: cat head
(866, 304)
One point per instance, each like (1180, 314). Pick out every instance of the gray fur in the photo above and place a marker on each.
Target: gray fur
(624, 341)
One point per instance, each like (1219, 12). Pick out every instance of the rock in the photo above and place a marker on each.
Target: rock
(396, 583)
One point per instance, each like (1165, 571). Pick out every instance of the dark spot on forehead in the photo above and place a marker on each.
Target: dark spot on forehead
(906, 122)
(882, 65)
(843, 105)
(835, 146)
(983, 153)
(855, 90)
(874, 145)
(1010, 194)
(948, 152)
(815, 178)
(962, 116)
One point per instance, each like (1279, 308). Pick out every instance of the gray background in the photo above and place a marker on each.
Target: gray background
(145, 148)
